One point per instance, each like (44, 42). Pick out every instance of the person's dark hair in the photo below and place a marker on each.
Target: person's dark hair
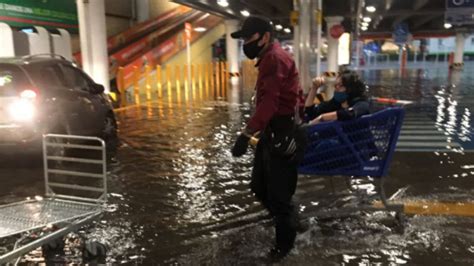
(355, 87)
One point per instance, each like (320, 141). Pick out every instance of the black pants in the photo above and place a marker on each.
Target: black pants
(274, 180)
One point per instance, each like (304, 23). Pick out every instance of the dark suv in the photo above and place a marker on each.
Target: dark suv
(45, 94)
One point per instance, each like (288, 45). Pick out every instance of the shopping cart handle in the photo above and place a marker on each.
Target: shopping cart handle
(391, 101)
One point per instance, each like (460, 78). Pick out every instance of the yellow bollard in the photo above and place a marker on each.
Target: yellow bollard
(193, 74)
(121, 87)
(177, 75)
(227, 73)
(206, 76)
(148, 82)
(136, 84)
(200, 76)
(158, 81)
(168, 77)
(199, 69)
(186, 83)
(222, 64)
(185, 77)
(211, 77)
(216, 75)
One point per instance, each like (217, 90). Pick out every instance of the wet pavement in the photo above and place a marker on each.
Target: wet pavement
(178, 197)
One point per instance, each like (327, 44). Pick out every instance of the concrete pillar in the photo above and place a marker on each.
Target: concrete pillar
(319, 30)
(296, 38)
(142, 9)
(94, 40)
(6, 35)
(333, 49)
(305, 43)
(232, 47)
(459, 52)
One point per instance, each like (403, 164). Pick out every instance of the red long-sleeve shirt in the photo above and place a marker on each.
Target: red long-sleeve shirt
(278, 87)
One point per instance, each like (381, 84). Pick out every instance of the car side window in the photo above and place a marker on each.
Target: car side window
(46, 76)
(76, 79)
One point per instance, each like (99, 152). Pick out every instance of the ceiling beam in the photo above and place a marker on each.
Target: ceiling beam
(422, 21)
(262, 8)
(416, 6)
(403, 12)
(283, 7)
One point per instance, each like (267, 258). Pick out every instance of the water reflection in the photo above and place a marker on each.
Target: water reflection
(178, 196)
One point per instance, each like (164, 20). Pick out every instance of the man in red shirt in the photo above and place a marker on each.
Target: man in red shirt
(274, 174)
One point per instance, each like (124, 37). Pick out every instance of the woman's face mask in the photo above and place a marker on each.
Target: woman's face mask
(340, 96)
(252, 49)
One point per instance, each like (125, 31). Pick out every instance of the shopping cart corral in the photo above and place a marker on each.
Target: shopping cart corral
(75, 194)
(360, 148)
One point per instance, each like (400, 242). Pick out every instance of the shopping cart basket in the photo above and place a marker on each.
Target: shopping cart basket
(76, 193)
(357, 148)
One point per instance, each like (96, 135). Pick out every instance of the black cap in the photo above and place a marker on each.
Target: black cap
(252, 25)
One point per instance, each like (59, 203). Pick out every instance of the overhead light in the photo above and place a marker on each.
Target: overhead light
(200, 29)
(364, 28)
(447, 25)
(245, 13)
(278, 27)
(287, 30)
(223, 3)
(370, 9)
(271, 22)
(367, 19)
(365, 24)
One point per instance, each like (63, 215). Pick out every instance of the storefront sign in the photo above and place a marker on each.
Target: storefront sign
(46, 13)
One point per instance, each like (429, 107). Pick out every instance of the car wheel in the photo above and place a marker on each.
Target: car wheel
(109, 132)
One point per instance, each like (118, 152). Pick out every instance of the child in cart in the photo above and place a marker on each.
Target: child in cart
(349, 100)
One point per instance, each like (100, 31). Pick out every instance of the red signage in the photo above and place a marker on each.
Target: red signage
(336, 31)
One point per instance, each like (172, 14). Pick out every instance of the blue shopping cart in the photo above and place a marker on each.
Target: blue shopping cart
(358, 148)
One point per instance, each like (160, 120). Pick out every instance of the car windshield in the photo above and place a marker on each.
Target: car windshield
(12, 80)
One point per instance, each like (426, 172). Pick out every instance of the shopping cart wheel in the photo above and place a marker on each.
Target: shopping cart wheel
(53, 249)
(400, 223)
(94, 252)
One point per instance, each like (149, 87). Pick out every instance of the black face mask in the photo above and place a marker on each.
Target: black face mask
(251, 49)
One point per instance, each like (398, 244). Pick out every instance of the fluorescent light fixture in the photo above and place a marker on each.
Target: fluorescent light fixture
(364, 28)
(223, 3)
(447, 25)
(365, 24)
(278, 27)
(287, 30)
(367, 19)
(200, 29)
(370, 9)
(245, 13)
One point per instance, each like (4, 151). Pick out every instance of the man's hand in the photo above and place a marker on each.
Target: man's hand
(318, 82)
(241, 145)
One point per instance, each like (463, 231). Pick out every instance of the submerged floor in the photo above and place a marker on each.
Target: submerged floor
(178, 197)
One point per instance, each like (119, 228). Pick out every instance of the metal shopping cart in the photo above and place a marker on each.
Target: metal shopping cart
(75, 194)
(358, 148)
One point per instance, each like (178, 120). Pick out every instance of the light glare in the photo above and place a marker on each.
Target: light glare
(223, 3)
(245, 13)
(370, 9)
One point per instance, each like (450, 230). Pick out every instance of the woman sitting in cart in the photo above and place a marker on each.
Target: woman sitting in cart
(349, 100)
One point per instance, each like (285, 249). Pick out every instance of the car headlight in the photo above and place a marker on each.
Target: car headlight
(22, 110)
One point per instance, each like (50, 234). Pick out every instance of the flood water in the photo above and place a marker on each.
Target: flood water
(177, 196)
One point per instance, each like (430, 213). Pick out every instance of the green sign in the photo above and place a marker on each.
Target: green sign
(46, 13)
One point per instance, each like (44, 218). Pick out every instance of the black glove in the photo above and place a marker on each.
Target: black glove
(240, 146)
